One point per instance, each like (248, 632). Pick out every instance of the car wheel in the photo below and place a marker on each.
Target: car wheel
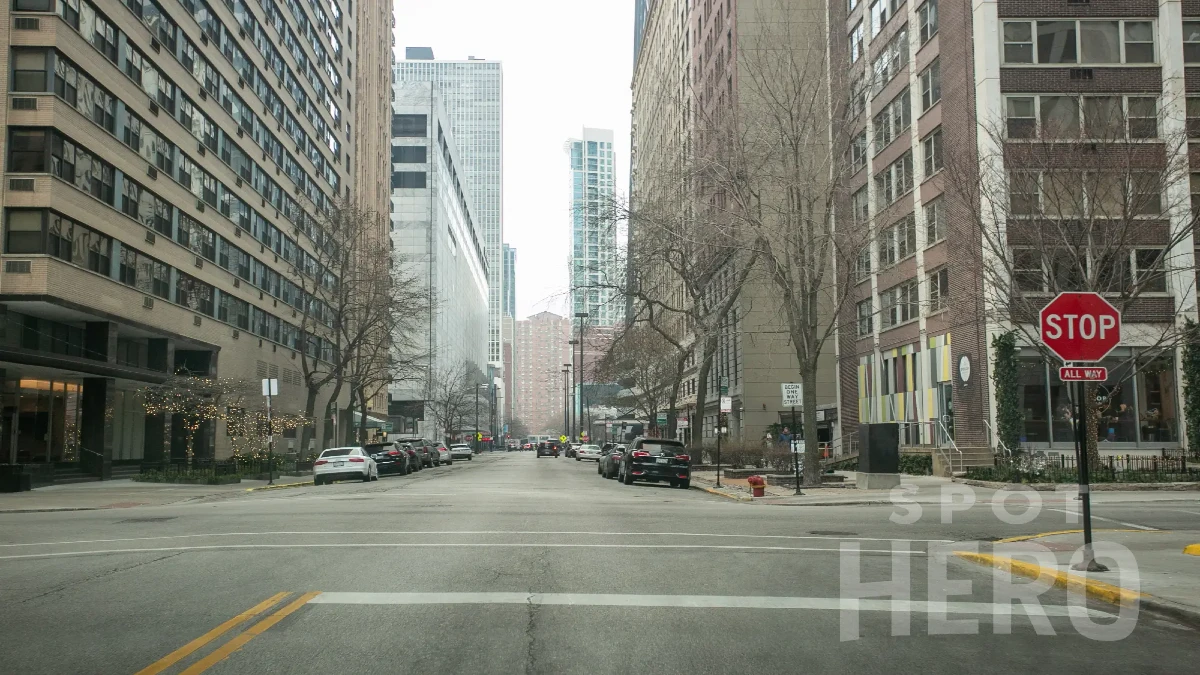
(316, 481)
(628, 477)
(577, 458)
(468, 459)
(685, 484)
(366, 477)
(450, 463)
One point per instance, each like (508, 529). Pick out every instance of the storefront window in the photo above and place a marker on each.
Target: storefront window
(1157, 402)
(1116, 401)
(1032, 377)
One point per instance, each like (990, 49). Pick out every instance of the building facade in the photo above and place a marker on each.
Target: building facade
(472, 92)
(596, 272)
(435, 235)
(916, 344)
(166, 163)
(540, 356)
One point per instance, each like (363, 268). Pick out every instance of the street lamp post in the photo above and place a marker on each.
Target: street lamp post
(574, 375)
(566, 413)
(582, 316)
(478, 436)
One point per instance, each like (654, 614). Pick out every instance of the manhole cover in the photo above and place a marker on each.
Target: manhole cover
(833, 533)
(154, 519)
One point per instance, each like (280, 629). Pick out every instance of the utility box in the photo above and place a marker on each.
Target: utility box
(878, 456)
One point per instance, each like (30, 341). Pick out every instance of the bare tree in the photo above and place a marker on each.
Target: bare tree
(641, 360)
(453, 396)
(195, 400)
(1089, 195)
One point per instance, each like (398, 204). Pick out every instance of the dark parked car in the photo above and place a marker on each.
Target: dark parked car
(423, 446)
(414, 459)
(656, 459)
(610, 459)
(389, 458)
(547, 449)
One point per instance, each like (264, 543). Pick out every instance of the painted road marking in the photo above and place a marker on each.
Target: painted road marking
(219, 654)
(218, 547)
(475, 533)
(181, 653)
(703, 602)
(1110, 520)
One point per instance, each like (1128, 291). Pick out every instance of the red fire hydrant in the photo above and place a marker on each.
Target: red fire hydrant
(757, 485)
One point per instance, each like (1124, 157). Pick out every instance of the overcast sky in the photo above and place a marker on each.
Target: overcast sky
(567, 65)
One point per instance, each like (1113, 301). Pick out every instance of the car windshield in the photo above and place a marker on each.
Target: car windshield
(337, 452)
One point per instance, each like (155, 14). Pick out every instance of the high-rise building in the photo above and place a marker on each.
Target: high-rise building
(436, 237)
(540, 352)
(164, 161)
(595, 268)
(472, 93)
(1048, 103)
(509, 306)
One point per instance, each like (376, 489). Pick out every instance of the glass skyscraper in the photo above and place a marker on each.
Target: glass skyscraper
(595, 269)
(471, 93)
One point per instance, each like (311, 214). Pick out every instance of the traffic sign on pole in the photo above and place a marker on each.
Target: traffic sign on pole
(1080, 327)
(793, 393)
(726, 404)
(1077, 374)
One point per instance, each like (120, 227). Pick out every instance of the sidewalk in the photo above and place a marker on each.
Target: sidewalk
(1159, 574)
(115, 494)
(928, 491)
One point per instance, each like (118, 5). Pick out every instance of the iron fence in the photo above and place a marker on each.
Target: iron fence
(1039, 468)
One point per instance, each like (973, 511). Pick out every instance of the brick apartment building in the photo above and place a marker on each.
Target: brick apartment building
(540, 354)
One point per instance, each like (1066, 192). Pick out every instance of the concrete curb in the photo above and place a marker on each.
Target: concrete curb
(282, 486)
(1096, 487)
(714, 491)
(54, 509)
(1073, 583)
(1027, 537)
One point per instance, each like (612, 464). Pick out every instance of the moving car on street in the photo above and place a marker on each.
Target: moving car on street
(423, 446)
(461, 451)
(609, 461)
(547, 449)
(389, 458)
(588, 452)
(656, 459)
(342, 464)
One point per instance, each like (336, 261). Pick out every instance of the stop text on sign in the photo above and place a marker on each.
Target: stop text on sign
(1085, 326)
(1076, 374)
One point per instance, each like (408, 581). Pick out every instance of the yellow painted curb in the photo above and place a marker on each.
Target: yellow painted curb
(1027, 537)
(714, 491)
(279, 487)
(1073, 583)
(1191, 549)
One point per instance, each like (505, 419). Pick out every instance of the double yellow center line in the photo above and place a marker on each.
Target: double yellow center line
(239, 641)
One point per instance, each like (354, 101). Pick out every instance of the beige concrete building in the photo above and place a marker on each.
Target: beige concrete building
(164, 162)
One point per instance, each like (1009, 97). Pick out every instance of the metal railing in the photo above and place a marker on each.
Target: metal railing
(999, 443)
(950, 438)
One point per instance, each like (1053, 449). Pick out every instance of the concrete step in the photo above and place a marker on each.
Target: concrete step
(68, 476)
(120, 471)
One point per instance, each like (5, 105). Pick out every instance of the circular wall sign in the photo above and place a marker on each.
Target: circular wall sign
(964, 368)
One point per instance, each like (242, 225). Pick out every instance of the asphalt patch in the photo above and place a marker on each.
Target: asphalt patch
(148, 519)
(833, 533)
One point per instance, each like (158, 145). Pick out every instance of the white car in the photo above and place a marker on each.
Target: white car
(343, 464)
(461, 451)
(444, 456)
(589, 452)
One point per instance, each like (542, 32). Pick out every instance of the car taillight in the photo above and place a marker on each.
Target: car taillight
(357, 459)
(683, 458)
(319, 462)
(393, 453)
(640, 453)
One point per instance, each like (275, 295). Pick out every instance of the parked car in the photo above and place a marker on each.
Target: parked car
(342, 464)
(547, 449)
(461, 451)
(608, 462)
(656, 459)
(527, 446)
(589, 452)
(443, 455)
(423, 446)
(570, 450)
(389, 458)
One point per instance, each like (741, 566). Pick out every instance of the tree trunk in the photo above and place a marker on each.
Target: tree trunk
(362, 424)
(310, 409)
(1094, 415)
(710, 348)
(812, 464)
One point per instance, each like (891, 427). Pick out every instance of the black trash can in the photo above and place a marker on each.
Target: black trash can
(14, 478)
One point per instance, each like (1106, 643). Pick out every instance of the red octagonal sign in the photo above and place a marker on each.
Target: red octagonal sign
(1080, 327)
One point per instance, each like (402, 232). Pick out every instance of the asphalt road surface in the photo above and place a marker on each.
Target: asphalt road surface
(514, 564)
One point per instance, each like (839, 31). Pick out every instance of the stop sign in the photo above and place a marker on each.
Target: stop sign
(1080, 327)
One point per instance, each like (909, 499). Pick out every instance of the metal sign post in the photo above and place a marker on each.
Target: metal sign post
(270, 387)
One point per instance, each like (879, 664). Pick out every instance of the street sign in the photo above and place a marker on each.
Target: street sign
(478, 436)
(724, 384)
(1080, 327)
(1072, 374)
(681, 423)
(793, 393)
(562, 439)
(726, 404)
(270, 387)
(662, 418)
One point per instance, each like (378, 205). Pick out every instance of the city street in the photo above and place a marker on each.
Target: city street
(513, 564)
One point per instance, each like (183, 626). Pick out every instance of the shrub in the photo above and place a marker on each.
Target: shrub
(916, 464)
(186, 477)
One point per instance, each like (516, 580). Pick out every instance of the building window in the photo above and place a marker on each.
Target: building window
(935, 226)
(1088, 117)
(927, 18)
(1085, 42)
(408, 179)
(893, 120)
(856, 42)
(27, 151)
(1191, 41)
(145, 273)
(1021, 116)
(862, 263)
(881, 11)
(1150, 270)
(931, 152)
(408, 154)
(409, 126)
(894, 181)
(931, 85)
(79, 245)
(858, 152)
(23, 232)
(29, 70)
(865, 318)
(939, 289)
(899, 304)
(194, 294)
(898, 241)
(891, 59)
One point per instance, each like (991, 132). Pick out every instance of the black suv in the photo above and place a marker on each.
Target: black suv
(656, 459)
(389, 457)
